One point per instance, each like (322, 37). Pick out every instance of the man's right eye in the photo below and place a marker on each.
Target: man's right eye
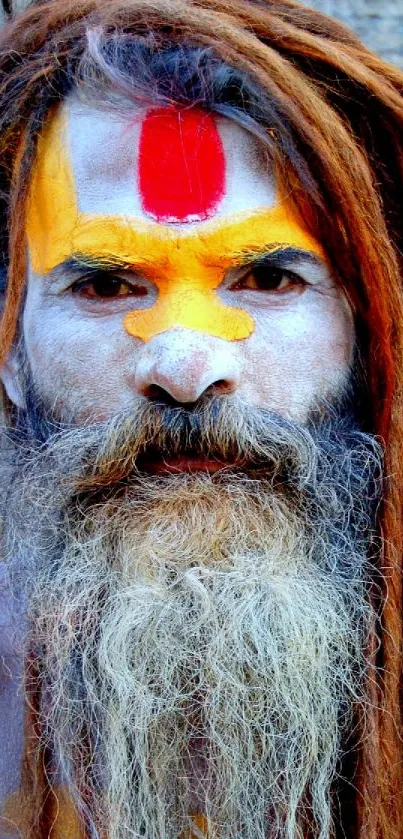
(106, 286)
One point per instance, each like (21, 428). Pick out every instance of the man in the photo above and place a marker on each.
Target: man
(201, 360)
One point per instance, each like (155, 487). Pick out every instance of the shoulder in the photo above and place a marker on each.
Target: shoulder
(12, 631)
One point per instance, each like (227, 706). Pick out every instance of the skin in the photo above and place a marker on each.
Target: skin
(83, 357)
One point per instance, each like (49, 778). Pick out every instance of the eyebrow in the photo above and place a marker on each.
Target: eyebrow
(82, 262)
(282, 256)
(276, 254)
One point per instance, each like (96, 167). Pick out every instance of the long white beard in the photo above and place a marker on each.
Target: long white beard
(201, 638)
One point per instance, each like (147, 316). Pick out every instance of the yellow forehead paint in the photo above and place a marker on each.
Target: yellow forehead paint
(186, 266)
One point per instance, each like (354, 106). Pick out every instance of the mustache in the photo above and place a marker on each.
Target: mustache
(241, 437)
(252, 443)
(229, 432)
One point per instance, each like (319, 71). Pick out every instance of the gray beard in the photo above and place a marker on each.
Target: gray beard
(200, 638)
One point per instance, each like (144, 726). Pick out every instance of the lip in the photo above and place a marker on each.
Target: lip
(184, 463)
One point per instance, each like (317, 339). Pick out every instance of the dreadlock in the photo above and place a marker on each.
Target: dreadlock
(330, 114)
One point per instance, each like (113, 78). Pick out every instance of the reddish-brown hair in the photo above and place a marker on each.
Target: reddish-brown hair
(342, 107)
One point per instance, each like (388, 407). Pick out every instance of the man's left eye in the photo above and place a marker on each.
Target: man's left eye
(264, 278)
(103, 285)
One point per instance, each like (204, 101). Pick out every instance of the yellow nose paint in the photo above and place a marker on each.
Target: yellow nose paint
(187, 265)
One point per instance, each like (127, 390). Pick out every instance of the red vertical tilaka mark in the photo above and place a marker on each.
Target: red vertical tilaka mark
(181, 165)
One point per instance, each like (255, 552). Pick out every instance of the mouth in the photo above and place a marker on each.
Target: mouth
(157, 465)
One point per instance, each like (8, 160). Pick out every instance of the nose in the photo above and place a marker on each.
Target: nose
(181, 366)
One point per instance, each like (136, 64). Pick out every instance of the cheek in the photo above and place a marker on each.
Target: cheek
(300, 354)
(79, 366)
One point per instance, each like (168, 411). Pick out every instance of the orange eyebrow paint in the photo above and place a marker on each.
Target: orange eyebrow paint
(187, 265)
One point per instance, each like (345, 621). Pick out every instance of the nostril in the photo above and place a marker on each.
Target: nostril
(220, 386)
(155, 393)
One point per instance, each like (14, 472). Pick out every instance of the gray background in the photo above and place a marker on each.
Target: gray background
(378, 22)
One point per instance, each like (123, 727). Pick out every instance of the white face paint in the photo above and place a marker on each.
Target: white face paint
(84, 360)
(105, 171)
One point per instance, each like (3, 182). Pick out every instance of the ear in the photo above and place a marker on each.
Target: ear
(10, 372)
(10, 375)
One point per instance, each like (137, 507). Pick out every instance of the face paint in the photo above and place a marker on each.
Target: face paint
(181, 165)
(187, 264)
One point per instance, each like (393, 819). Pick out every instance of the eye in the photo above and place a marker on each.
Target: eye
(268, 278)
(105, 285)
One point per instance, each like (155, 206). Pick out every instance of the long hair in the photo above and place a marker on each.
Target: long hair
(331, 116)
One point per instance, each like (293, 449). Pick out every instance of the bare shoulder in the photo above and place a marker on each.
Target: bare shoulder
(11, 697)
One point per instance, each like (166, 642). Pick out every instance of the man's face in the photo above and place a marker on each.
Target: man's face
(164, 263)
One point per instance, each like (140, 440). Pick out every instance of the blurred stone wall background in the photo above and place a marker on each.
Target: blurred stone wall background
(379, 23)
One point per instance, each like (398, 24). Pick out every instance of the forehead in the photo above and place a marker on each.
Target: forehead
(167, 165)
